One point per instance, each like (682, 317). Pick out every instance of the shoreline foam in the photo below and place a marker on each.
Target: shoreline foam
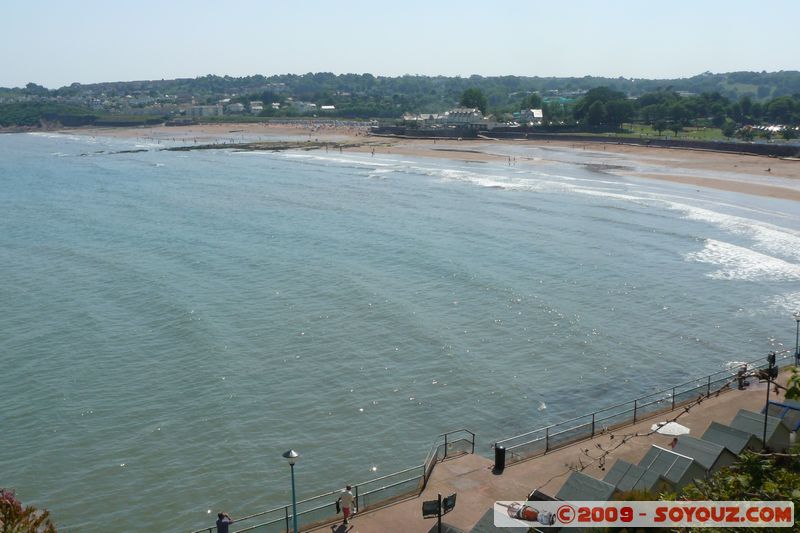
(681, 163)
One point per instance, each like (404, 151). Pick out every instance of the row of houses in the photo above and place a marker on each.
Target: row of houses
(226, 107)
(458, 117)
(471, 117)
(236, 108)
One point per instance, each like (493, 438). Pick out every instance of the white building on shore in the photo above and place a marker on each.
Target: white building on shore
(256, 107)
(304, 107)
(462, 117)
(532, 117)
(197, 111)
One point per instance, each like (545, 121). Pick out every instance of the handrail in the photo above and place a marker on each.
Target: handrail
(604, 409)
(630, 405)
(395, 484)
(387, 476)
(433, 452)
(283, 513)
(432, 456)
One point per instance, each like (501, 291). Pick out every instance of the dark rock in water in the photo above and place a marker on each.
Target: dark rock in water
(130, 151)
(265, 146)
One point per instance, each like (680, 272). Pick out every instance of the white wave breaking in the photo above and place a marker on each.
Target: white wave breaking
(776, 250)
(770, 239)
(785, 304)
(738, 263)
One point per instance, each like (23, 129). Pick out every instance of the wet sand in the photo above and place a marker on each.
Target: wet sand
(745, 174)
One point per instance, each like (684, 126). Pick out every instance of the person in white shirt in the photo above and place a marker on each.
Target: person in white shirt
(346, 500)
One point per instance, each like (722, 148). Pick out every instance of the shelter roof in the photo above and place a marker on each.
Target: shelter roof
(734, 439)
(582, 487)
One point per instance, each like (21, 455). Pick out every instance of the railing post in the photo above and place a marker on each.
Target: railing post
(473, 442)
(673, 398)
(357, 506)
(445, 446)
(593, 424)
(546, 439)
(286, 512)
(635, 406)
(708, 389)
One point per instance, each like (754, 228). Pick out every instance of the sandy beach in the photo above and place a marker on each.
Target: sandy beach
(745, 174)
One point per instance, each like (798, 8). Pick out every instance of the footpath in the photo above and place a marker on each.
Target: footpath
(471, 476)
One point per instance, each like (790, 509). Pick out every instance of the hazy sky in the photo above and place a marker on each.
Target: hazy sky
(55, 43)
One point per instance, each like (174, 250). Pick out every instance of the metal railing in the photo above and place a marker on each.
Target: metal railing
(368, 494)
(545, 439)
(320, 509)
(445, 446)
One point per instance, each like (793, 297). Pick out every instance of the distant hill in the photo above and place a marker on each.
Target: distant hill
(758, 95)
(428, 92)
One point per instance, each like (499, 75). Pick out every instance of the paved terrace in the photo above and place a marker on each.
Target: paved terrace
(471, 476)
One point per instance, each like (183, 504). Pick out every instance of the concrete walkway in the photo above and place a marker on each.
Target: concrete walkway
(471, 476)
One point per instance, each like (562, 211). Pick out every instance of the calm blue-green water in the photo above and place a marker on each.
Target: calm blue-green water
(172, 322)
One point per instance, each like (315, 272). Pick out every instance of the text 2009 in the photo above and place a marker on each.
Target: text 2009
(604, 514)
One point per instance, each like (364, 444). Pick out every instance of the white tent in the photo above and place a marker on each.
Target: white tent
(669, 428)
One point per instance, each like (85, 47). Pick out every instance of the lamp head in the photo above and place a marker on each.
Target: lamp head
(796, 316)
(291, 456)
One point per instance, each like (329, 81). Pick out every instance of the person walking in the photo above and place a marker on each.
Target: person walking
(224, 521)
(346, 501)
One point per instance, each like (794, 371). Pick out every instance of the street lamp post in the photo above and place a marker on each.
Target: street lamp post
(292, 457)
(770, 371)
(797, 339)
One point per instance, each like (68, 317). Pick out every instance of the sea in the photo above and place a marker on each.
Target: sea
(172, 322)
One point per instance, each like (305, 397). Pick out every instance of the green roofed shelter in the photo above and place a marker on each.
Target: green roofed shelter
(733, 439)
(788, 411)
(753, 423)
(679, 470)
(581, 487)
(486, 525)
(629, 477)
(709, 455)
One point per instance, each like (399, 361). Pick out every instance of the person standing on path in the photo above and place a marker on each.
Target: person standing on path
(346, 500)
(224, 520)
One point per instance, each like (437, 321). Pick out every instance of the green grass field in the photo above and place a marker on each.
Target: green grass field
(690, 133)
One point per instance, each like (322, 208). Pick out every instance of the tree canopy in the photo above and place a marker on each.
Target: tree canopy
(753, 477)
(474, 98)
(532, 101)
(18, 518)
(604, 106)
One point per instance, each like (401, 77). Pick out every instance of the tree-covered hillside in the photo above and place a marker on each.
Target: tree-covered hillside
(733, 99)
(431, 91)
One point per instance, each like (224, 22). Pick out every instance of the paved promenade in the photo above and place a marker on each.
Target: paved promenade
(471, 476)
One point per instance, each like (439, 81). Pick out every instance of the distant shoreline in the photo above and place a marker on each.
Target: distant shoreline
(681, 163)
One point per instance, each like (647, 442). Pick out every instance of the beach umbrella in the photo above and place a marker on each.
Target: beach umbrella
(669, 428)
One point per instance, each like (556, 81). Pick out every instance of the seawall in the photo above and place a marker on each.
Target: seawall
(753, 148)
